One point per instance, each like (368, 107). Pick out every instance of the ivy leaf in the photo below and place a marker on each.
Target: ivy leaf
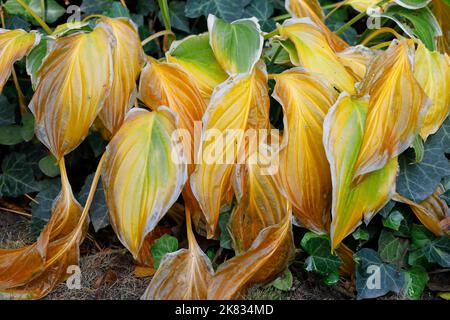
(442, 136)
(361, 234)
(416, 278)
(419, 23)
(284, 281)
(27, 128)
(386, 210)
(89, 6)
(164, 245)
(262, 10)
(375, 278)
(321, 259)
(394, 220)
(392, 249)
(53, 11)
(98, 211)
(49, 166)
(17, 177)
(178, 20)
(116, 10)
(224, 218)
(227, 10)
(420, 236)
(42, 208)
(7, 112)
(145, 7)
(438, 251)
(417, 181)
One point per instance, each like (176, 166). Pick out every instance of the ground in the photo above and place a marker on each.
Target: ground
(108, 273)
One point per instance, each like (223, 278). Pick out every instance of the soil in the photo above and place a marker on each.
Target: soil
(109, 273)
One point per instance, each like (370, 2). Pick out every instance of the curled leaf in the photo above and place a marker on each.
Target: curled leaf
(182, 275)
(232, 107)
(355, 60)
(143, 174)
(315, 54)
(311, 9)
(343, 138)
(194, 54)
(431, 212)
(33, 271)
(72, 85)
(14, 45)
(396, 108)
(260, 203)
(237, 45)
(128, 59)
(267, 257)
(304, 174)
(362, 5)
(432, 71)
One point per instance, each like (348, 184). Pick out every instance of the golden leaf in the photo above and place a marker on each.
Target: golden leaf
(269, 255)
(194, 54)
(168, 84)
(304, 174)
(311, 9)
(315, 54)
(356, 60)
(234, 104)
(441, 10)
(33, 271)
(72, 85)
(343, 137)
(396, 108)
(260, 203)
(182, 275)
(433, 212)
(128, 59)
(432, 71)
(14, 45)
(143, 174)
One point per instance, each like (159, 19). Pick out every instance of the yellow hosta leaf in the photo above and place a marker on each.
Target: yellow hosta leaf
(441, 10)
(168, 84)
(128, 59)
(432, 71)
(194, 54)
(260, 203)
(14, 45)
(315, 54)
(143, 174)
(304, 174)
(235, 103)
(182, 275)
(343, 137)
(33, 271)
(397, 107)
(362, 5)
(356, 60)
(433, 212)
(311, 9)
(72, 85)
(269, 254)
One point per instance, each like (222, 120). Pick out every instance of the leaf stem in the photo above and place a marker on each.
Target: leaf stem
(43, 9)
(157, 35)
(337, 7)
(381, 45)
(271, 34)
(378, 32)
(351, 22)
(282, 17)
(93, 16)
(36, 17)
(123, 3)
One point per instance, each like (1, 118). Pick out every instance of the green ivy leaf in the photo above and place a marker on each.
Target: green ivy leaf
(53, 11)
(228, 10)
(97, 6)
(7, 111)
(284, 281)
(419, 23)
(98, 211)
(145, 7)
(361, 234)
(416, 278)
(42, 208)
(332, 278)
(49, 166)
(417, 181)
(11, 135)
(442, 136)
(392, 249)
(117, 10)
(224, 218)
(164, 245)
(27, 129)
(321, 260)
(261, 10)
(386, 210)
(17, 176)
(394, 220)
(375, 278)
(420, 236)
(438, 251)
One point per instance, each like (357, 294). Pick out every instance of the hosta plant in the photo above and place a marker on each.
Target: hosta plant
(224, 146)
